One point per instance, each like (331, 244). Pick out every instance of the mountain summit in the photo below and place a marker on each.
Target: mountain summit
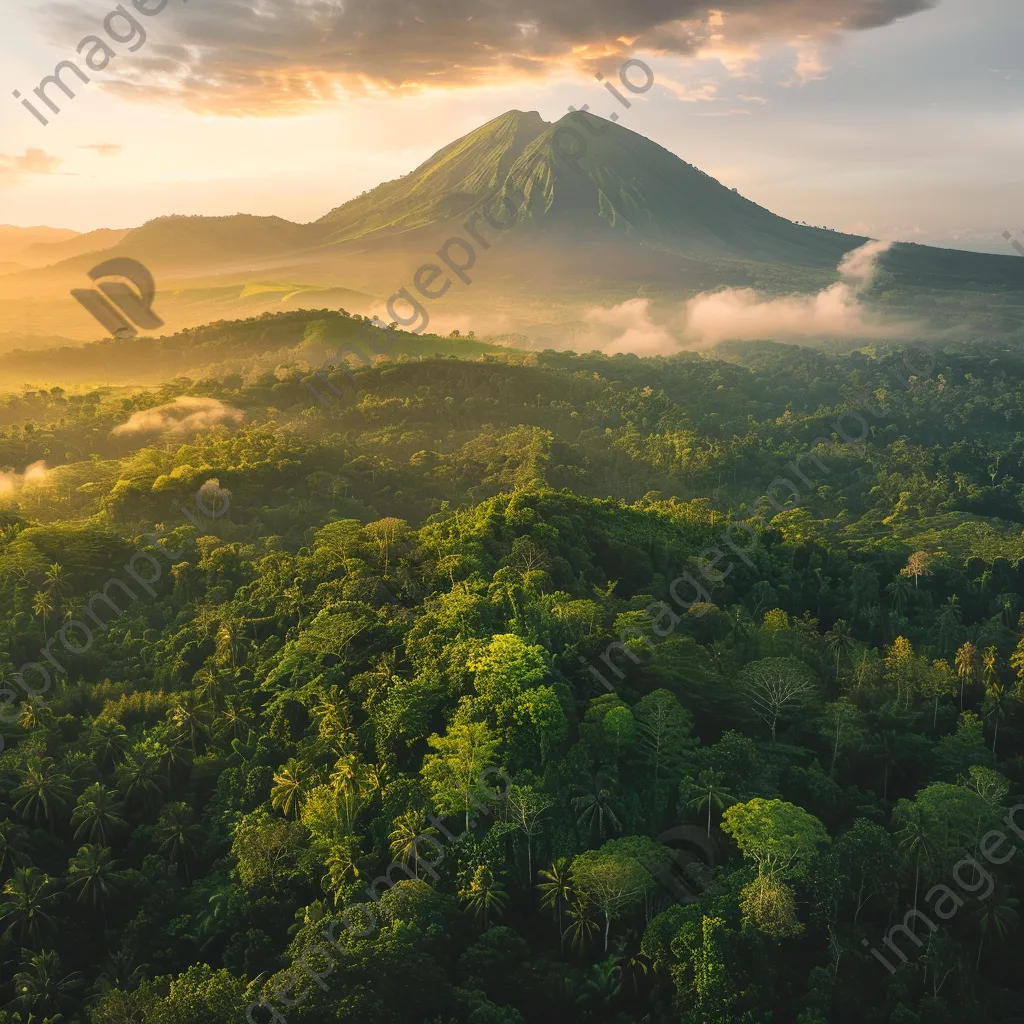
(582, 176)
(601, 213)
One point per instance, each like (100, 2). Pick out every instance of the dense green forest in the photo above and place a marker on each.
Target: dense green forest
(375, 710)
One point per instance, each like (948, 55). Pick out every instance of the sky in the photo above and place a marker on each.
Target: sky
(898, 119)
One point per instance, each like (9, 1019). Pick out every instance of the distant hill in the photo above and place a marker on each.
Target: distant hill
(605, 215)
(15, 240)
(44, 254)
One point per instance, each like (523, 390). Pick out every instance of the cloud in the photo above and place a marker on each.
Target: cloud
(273, 56)
(182, 416)
(628, 327)
(104, 148)
(11, 481)
(740, 314)
(689, 93)
(33, 161)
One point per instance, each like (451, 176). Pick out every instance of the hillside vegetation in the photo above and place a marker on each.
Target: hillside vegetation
(411, 707)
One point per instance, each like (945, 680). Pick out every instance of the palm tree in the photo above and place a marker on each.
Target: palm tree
(41, 987)
(595, 803)
(108, 740)
(230, 639)
(93, 877)
(29, 897)
(839, 642)
(42, 604)
(996, 916)
(13, 847)
(916, 839)
(42, 792)
(289, 789)
(35, 715)
(409, 830)
(712, 792)
(994, 708)
(965, 662)
(177, 834)
(120, 970)
(97, 815)
(484, 894)
(141, 782)
(948, 624)
(899, 590)
(191, 716)
(211, 687)
(603, 983)
(340, 864)
(556, 891)
(582, 924)
(171, 752)
(235, 720)
(57, 582)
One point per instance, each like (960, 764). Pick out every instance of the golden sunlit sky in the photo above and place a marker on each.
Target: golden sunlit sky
(894, 118)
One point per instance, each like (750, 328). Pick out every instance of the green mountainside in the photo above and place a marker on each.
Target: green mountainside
(452, 182)
(623, 181)
(600, 212)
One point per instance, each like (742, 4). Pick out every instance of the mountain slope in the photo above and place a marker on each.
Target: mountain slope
(449, 184)
(585, 174)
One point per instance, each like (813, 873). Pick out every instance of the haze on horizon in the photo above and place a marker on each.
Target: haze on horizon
(890, 118)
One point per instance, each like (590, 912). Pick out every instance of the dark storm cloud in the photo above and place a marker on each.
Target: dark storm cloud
(262, 55)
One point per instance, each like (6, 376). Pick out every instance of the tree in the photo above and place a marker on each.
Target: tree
(484, 894)
(595, 803)
(774, 686)
(996, 916)
(409, 830)
(776, 835)
(141, 782)
(524, 808)
(14, 847)
(191, 716)
(97, 815)
(42, 988)
(917, 565)
(864, 854)
(839, 642)
(289, 790)
(263, 845)
(613, 878)
(843, 720)
(966, 665)
(29, 898)
(556, 891)
(93, 877)
(42, 605)
(770, 904)
(177, 834)
(938, 681)
(994, 708)
(455, 772)
(664, 726)
(42, 792)
(709, 790)
(108, 740)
